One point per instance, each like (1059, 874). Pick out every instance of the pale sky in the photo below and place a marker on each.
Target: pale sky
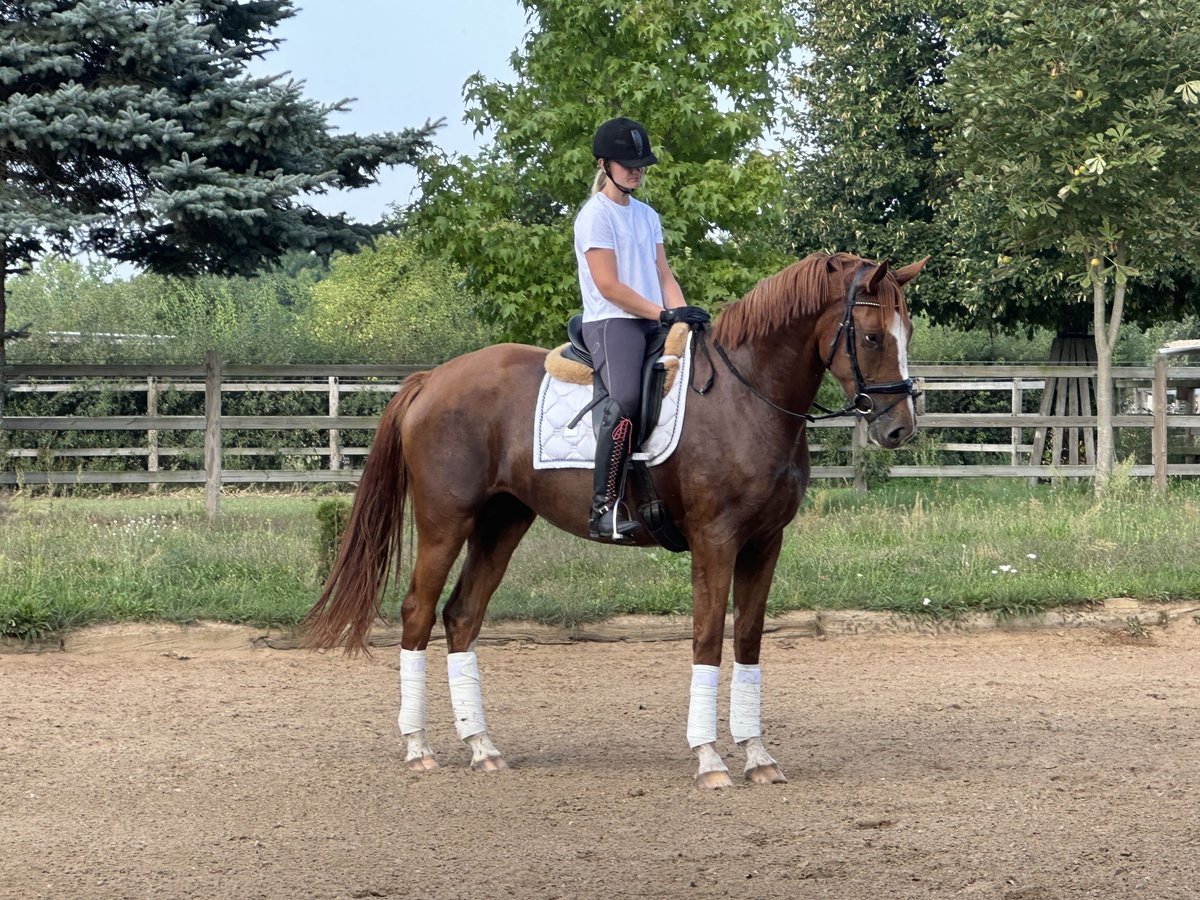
(406, 63)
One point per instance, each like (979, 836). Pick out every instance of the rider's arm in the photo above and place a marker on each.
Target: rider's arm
(602, 264)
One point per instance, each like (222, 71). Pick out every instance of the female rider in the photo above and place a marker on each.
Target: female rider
(629, 291)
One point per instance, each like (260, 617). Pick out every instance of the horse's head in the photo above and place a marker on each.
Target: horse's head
(864, 340)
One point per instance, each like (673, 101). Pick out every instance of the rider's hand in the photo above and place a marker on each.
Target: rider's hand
(692, 315)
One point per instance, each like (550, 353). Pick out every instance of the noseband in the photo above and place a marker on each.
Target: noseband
(862, 404)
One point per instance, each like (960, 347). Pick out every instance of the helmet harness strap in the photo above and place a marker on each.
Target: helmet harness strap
(620, 187)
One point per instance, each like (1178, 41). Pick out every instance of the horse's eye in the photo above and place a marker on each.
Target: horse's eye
(874, 341)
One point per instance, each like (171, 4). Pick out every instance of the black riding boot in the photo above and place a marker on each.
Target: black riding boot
(614, 443)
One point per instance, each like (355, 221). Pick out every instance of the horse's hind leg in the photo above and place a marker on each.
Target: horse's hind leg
(751, 584)
(437, 548)
(499, 527)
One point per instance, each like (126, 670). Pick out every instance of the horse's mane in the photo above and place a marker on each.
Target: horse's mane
(802, 289)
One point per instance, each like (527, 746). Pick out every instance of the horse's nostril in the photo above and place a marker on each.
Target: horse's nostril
(898, 435)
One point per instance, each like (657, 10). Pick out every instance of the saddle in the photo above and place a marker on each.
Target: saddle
(572, 362)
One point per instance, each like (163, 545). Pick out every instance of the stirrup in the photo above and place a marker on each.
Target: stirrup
(607, 525)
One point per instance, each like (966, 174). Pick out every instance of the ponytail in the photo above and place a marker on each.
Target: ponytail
(599, 181)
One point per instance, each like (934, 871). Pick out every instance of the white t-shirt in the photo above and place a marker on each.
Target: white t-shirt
(634, 232)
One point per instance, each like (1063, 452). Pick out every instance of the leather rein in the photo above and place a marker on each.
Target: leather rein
(861, 405)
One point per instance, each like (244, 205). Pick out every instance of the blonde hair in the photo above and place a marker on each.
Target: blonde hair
(599, 181)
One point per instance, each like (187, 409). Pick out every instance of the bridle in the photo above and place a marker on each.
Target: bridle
(862, 404)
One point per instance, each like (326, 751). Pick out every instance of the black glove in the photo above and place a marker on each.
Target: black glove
(692, 315)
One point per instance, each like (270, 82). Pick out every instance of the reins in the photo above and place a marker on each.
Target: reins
(861, 405)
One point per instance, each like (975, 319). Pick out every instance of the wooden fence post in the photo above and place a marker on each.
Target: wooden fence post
(1017, 409)
(1158, 434)
(335, 436)
(212, 433)
(858, 445)
(152, 434)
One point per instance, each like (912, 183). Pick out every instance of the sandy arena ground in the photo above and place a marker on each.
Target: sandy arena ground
(1044, 764)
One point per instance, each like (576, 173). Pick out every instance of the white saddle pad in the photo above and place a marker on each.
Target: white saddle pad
(555, 446)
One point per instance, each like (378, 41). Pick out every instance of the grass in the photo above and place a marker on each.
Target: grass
(916, 547)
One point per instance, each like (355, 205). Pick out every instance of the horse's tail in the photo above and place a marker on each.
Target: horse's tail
(355, 587)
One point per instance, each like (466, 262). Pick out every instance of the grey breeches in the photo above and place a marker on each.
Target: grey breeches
(618, 348)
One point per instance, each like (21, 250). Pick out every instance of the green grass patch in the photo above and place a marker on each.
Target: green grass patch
(925, 548)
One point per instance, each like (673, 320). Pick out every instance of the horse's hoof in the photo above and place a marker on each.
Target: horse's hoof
(713, 781)
(768, 774)
(490, 765)
(421, 764)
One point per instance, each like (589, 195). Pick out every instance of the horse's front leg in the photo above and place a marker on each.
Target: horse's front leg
(752, 583)
(712, 571)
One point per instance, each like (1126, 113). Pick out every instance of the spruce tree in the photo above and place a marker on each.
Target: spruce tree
(132, 129)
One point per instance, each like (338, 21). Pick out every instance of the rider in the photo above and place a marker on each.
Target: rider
(628, 290)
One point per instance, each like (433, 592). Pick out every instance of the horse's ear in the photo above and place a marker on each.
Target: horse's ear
(909, 272)
(876, 277)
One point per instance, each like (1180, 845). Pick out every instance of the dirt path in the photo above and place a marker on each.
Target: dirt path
(1029, 765)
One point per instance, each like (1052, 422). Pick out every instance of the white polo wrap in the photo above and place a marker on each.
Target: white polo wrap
(412, 691)
(702, 709)
(465, 695)
(745, 702)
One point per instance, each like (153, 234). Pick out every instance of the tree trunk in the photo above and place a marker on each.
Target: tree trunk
(1104, 409)
(1107, 327)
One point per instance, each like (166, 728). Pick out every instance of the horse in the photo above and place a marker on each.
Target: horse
(456, 442)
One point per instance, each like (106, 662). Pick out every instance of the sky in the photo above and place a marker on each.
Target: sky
(406, 63)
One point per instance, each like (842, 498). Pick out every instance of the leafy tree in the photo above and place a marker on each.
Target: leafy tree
(704, 78)
(58, 294)
(868, 124)
(131, 129)
(393, 304)
(1076, 135)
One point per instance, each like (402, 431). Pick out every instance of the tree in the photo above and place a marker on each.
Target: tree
(392, 304)
(82, 313)
(704, 78)
(131, 129)
(868, 123)
(1075, 135)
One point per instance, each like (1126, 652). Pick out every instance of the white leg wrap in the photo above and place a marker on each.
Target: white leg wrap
(745, 702)
(702, 710)
(465, 695)
(412, 691)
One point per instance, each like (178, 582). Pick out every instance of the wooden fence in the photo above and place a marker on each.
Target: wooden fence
(1018, 443)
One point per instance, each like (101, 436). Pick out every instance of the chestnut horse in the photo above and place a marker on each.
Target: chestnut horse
(458, 442)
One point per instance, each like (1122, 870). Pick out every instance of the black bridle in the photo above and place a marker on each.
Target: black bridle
(863, 404)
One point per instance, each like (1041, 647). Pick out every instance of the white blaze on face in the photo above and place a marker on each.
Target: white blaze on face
(897, 332)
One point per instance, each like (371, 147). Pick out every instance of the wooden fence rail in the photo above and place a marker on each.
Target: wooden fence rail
(1016, 432)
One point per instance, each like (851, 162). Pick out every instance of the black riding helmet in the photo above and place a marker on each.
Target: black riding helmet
(625, 141)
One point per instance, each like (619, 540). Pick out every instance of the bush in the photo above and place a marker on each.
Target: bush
(332, 516)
